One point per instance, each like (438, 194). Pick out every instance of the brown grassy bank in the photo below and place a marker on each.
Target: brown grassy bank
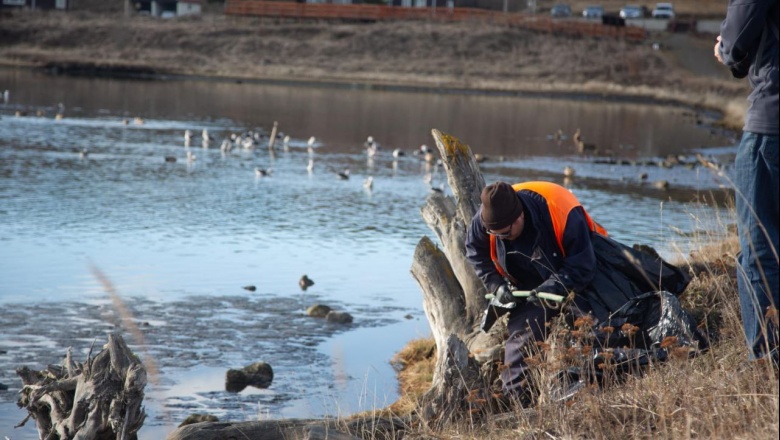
(717, 395)
(479, 57)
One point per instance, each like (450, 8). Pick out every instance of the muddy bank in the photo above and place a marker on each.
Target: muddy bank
(478, 58)
(188, 345)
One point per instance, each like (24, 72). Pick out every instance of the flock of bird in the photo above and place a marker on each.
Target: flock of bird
(254, 139)
(257, 139)
(606, 156)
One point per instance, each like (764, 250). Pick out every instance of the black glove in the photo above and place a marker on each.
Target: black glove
(503, 294)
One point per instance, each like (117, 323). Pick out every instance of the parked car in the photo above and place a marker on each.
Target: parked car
(663, 10)
(560, 10)
(630, 11)
(593, 11)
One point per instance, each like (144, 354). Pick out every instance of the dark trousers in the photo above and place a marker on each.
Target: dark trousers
(526, 326)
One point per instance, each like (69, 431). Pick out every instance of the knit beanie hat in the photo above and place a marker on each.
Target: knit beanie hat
(500, 206)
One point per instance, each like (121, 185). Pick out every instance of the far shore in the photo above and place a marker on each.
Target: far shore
(731, 113)
(403, 56)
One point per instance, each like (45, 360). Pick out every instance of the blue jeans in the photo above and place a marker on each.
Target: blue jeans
(756, 182)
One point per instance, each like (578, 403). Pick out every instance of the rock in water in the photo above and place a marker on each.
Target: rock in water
(258, 375)
(318, 311)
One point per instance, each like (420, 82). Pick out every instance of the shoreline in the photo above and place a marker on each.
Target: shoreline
(588, 92)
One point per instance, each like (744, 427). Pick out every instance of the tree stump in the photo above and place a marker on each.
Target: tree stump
(453, 295)
(97, 400)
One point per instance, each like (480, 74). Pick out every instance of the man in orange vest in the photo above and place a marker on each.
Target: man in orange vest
(531, 236)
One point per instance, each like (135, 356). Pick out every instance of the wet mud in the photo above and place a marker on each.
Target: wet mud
(180, 341)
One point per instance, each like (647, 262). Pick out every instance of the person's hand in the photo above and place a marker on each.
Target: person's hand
(717, 49)
(504, 295)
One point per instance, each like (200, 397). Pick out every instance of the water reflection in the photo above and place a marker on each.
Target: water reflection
(343, 118)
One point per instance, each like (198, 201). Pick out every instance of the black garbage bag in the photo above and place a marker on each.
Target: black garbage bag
(624, 273)
(652, 318)
(632, 338)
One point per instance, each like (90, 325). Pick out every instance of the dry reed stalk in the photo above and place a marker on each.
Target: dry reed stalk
(128, 323)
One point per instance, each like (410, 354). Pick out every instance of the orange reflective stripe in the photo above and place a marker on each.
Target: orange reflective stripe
(494, 256)
(497, 262)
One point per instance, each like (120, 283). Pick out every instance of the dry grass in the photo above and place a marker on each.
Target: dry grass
(715, 395)
(414, 364)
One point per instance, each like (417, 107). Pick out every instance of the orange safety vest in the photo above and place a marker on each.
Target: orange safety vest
(560, 202)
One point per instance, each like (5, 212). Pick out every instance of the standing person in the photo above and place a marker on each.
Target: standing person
(748, 45)
(534, 235)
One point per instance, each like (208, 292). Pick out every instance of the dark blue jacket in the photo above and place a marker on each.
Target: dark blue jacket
(747, 23)
(534, 258)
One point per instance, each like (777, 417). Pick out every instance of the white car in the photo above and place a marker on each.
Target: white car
(663, 10)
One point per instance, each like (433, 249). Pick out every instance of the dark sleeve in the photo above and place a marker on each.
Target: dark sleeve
(740, 32)
(579, 264)
(478, 254)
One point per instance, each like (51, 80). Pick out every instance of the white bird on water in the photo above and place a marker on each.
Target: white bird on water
(226, 145)
(371, 146)
(310, 166)
(423, 150)
(310, 145)
(206, 138)
(369, 183)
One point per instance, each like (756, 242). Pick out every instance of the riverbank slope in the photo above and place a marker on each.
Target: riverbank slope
(474, 57)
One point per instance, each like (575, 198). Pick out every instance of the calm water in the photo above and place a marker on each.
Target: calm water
(179, 240)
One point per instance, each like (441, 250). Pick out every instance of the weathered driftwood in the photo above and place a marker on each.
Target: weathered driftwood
(453, 296)
(450, 222)
(304, 429)
(459, 391)
(99, 399)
